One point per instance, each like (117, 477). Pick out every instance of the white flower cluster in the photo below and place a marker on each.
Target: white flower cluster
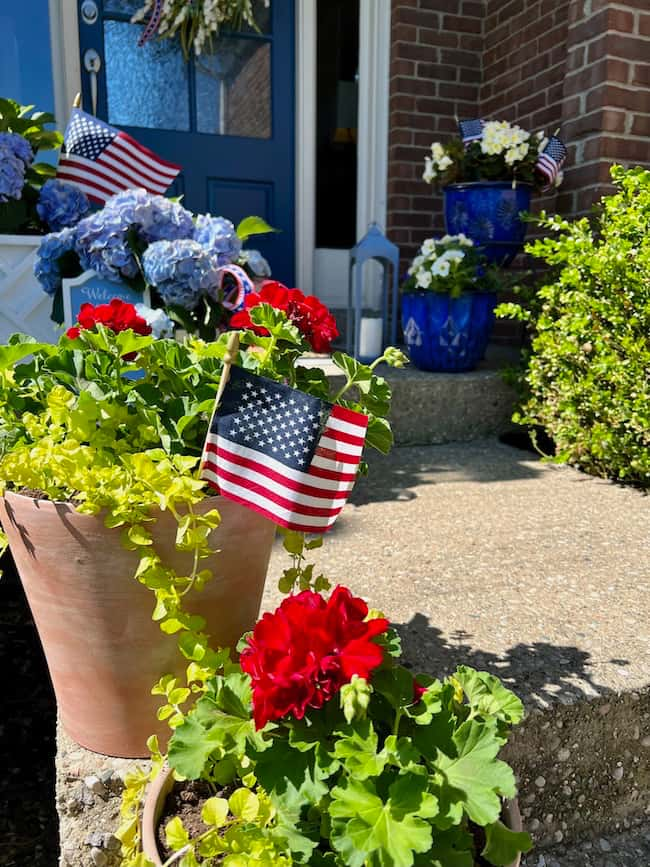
(201, 19)
(437, 163)
(437, 258)
(500, 137)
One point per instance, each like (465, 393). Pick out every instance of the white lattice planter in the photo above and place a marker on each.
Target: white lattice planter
(23, 304)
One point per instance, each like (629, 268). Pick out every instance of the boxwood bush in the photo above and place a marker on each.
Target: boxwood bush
(587, 379)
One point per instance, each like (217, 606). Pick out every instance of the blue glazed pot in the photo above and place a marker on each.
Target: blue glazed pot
(447, 334)
(488, 213)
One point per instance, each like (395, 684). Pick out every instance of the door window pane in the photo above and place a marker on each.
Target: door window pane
(233, 88)
(146, 85)
(126, 7)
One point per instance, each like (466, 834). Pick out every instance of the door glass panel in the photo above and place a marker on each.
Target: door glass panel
(146, 85)
(233, 88)
(125, 7)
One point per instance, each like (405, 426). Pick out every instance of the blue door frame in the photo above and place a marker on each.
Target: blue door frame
(232, 175)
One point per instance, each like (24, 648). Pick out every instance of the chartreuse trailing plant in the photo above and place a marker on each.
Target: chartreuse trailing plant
(336, 754)
(587, 374)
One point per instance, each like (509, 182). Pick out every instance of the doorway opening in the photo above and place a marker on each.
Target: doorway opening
(337, 89)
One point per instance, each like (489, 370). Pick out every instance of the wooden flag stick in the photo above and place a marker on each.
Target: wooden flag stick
(229, 359)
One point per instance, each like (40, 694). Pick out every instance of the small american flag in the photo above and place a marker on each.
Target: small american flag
(102, 160)
(283, 453)
(471, 130)
(551, 159)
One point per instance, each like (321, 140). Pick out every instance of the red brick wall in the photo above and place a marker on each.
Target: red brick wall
(581, 66)
(435, 76)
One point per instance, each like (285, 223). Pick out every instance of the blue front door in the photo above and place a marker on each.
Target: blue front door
(227, 117)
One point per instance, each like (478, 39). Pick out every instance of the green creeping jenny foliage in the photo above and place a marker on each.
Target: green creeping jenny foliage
(115, 423)
(587, 378)
(374, 779)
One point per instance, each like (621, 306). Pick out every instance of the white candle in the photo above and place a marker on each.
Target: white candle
(370, 337)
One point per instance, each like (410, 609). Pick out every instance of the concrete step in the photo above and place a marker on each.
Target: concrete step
(432, 408)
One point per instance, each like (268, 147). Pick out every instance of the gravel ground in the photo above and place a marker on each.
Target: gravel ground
(631, 849)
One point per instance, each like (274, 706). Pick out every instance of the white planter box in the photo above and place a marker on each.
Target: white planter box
(23, 304)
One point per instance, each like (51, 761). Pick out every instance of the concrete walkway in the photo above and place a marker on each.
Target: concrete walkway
(482, 554)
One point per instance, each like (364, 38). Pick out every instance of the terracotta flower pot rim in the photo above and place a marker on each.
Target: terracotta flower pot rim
(70, 503)
(160, 787)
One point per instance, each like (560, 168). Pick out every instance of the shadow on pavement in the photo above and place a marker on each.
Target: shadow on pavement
(539, 673)
(393, 477)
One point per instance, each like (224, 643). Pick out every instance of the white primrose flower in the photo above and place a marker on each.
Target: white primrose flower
(437, 151)
(429, 173)
(440, 267)
(464, 241)
(444, 163)
(428, 247)
(416, 264)
(423, 279)
(453, 255)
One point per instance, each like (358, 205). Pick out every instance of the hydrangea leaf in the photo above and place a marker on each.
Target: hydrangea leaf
(474, 778)
(367, 830)
(503, 845)
(253, 226)
(356, 747)
(488, 696)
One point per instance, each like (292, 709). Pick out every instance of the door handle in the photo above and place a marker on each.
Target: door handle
(92, 65)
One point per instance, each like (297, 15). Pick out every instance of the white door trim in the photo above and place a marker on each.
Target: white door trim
(66, 69)
(305, 143)
(372, 138)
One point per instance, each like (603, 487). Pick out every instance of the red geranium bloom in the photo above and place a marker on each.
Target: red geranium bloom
(301, 655)
(118, 316)
(310, 315)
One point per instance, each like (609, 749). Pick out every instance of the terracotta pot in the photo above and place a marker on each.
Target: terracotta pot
(159, 789)
(103, 650)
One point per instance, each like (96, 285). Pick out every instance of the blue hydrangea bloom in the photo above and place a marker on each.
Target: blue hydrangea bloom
(47, 268)
(61, 204)
(15, 155)
(102, 238)
(219, 237)
(181, 271)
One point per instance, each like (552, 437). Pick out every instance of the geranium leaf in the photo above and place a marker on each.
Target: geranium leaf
(474, 779)
(367, 830)
(280, 768)
(190, 747)
(503, 845)
(356, 747)
(488, 697)
(379, 434)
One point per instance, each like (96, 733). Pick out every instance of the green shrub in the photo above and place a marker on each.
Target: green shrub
(587, 380)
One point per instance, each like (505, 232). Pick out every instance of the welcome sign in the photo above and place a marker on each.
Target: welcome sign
(90, 288)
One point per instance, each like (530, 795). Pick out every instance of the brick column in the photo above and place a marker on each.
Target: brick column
(435, 76)
(606, 111)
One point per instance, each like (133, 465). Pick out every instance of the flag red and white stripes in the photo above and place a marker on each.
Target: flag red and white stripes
(253, 460)
(102, 160)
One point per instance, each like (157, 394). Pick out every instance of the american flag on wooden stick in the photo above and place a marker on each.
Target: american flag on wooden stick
(283, 453)
(471, 130)
(552, 158)
(102, 160)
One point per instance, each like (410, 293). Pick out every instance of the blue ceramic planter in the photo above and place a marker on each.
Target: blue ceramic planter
(488, 213)
(447, 334)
